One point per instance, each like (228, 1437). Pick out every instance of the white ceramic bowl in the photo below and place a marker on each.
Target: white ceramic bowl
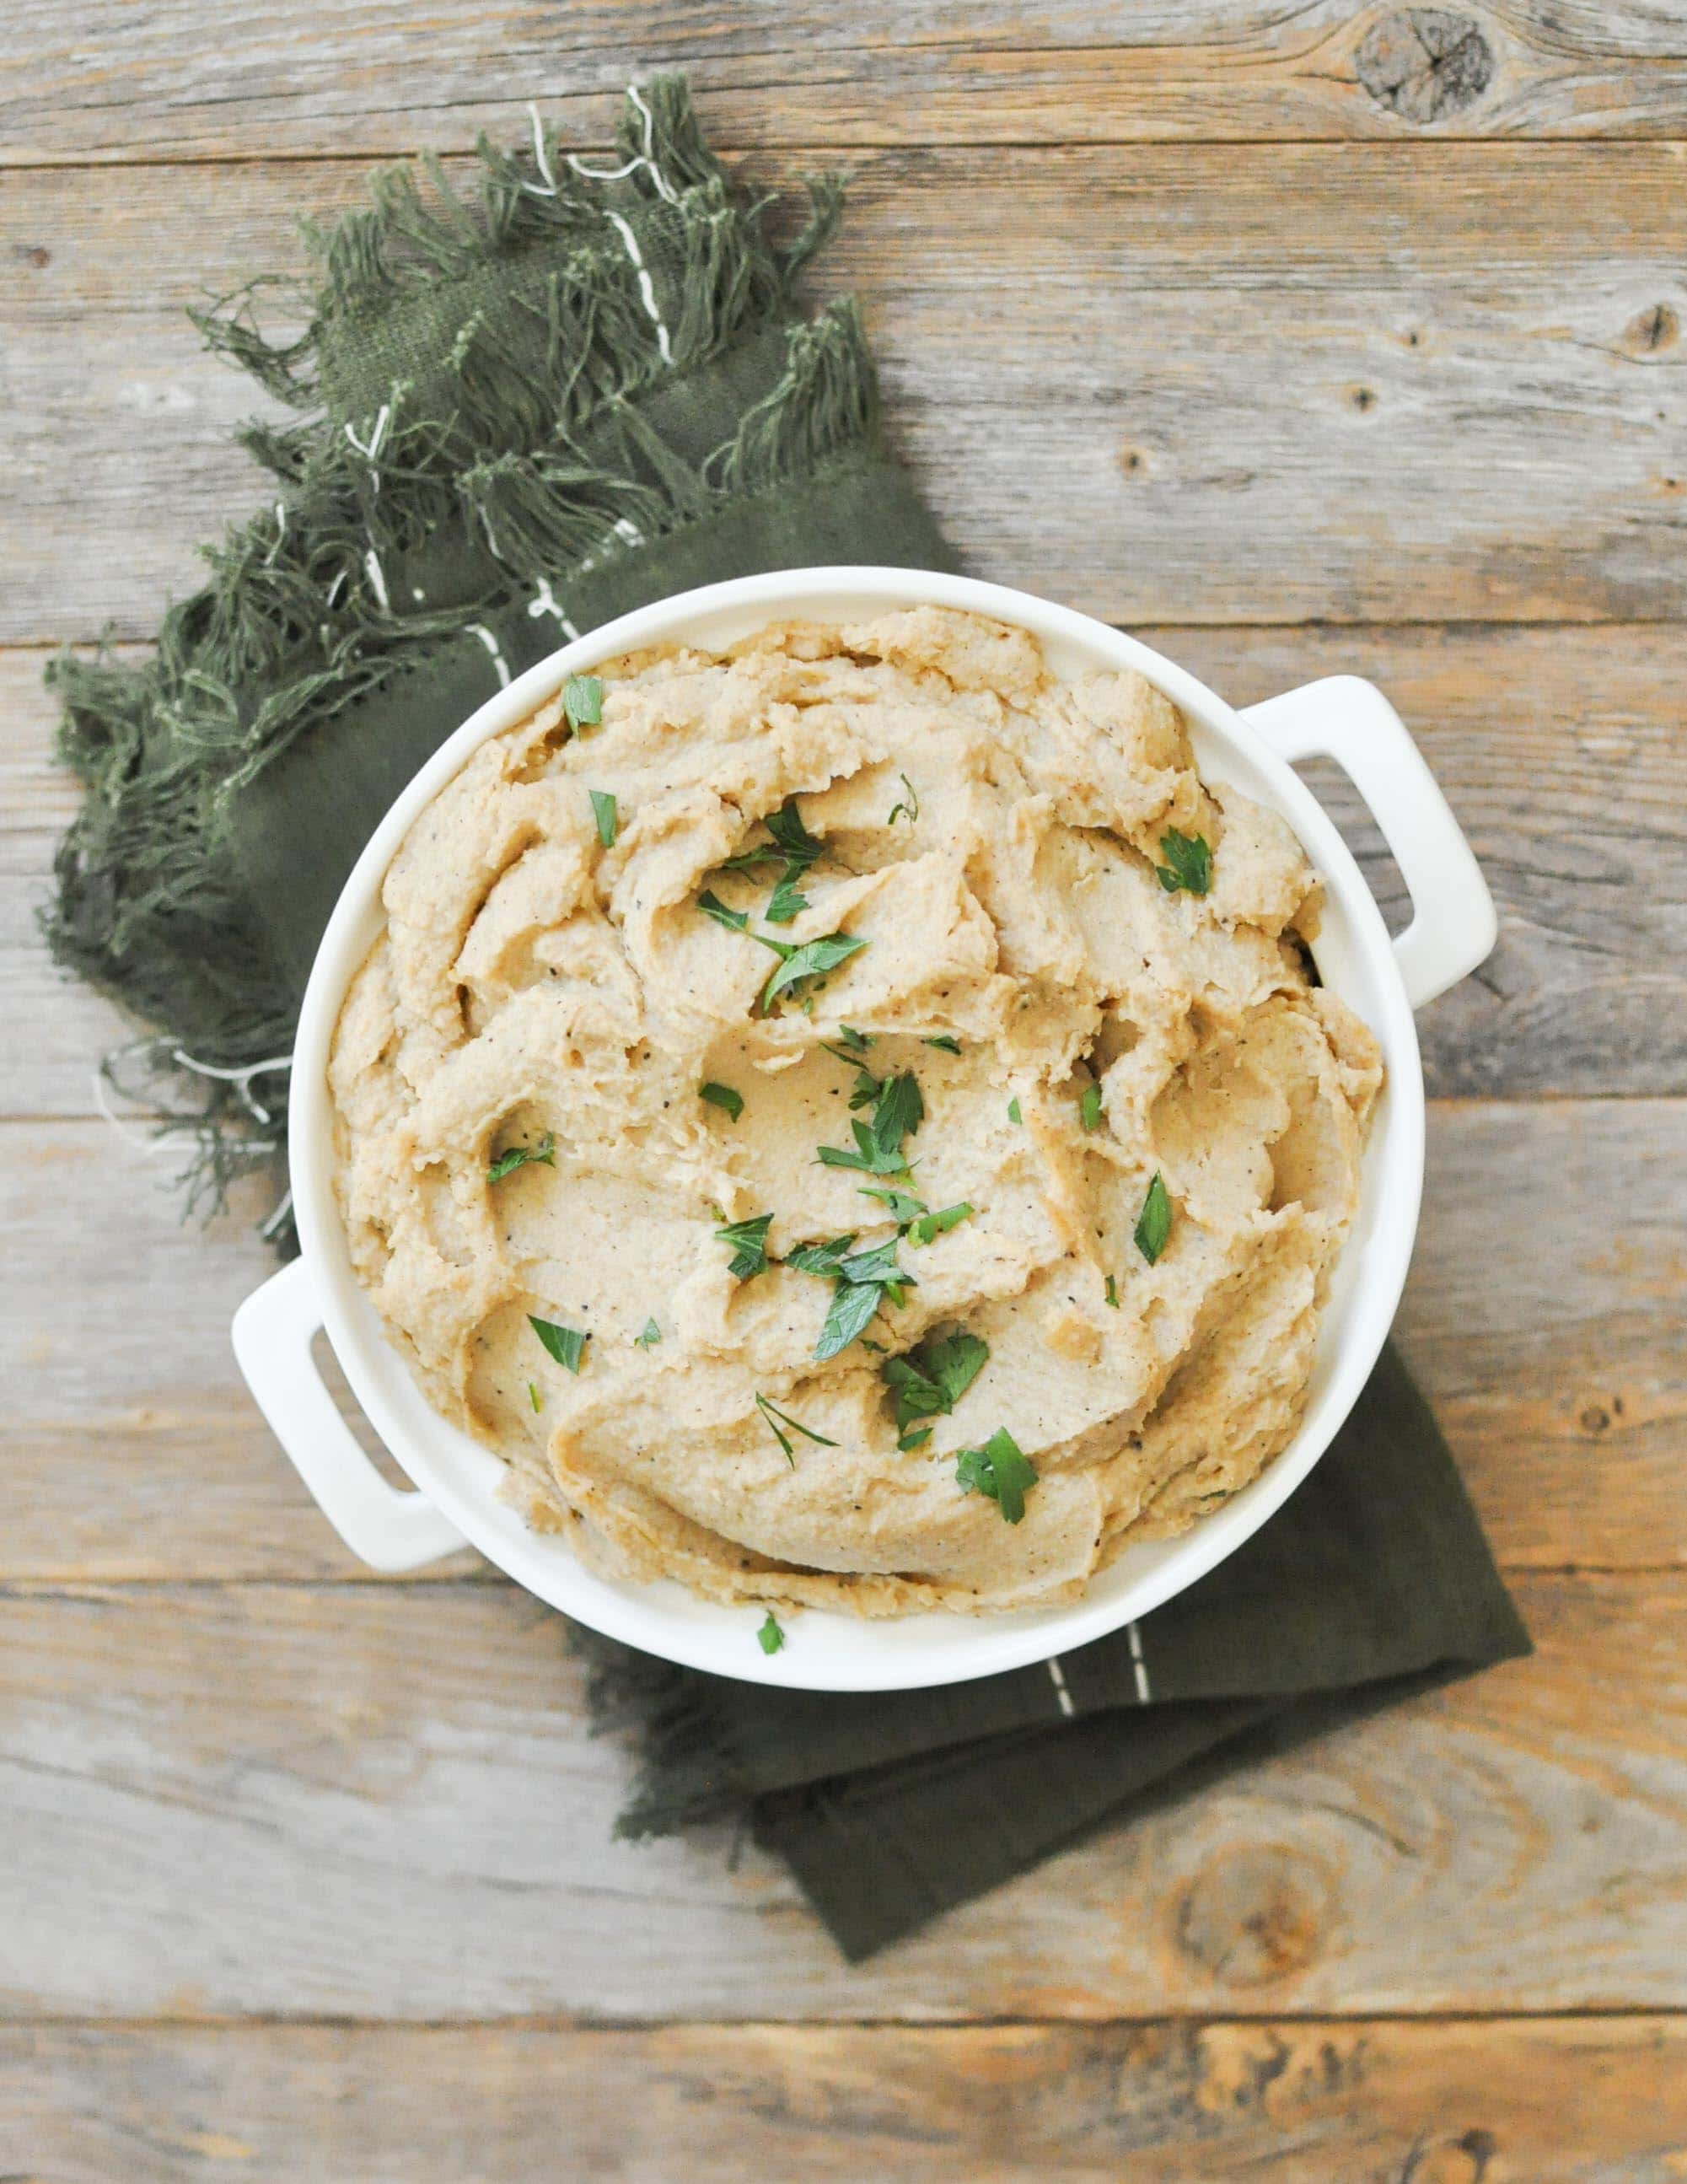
(1452, 930)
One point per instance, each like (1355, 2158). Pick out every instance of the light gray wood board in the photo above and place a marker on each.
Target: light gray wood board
(1212, 384)
(1575, 2102)
(383, 1802)
(199, 81)
(1542, 1313)
(1561, 749)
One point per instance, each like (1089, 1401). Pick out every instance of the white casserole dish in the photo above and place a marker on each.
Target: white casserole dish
(1452, 930)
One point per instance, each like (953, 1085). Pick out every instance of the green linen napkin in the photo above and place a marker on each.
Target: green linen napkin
(1373, 1582)
(592, 389)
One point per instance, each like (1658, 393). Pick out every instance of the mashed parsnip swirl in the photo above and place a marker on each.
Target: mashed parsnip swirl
(1019, 861)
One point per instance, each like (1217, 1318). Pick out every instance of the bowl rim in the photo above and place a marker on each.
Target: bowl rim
(663, 1618)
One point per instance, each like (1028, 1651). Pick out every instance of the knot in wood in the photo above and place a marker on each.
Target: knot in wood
(1425, 63)
(1254, 1915)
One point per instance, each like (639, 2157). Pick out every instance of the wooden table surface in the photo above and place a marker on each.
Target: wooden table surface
(1297, 337)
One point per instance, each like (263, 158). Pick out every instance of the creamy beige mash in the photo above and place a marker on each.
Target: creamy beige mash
(996, 838)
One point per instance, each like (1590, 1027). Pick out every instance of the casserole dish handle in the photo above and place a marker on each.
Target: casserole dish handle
(1453, 925)
(382, 1525)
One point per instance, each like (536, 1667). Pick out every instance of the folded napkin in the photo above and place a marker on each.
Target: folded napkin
(593, 389)
(1373, 1581)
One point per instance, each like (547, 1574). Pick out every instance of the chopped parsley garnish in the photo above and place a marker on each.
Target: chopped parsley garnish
(603, 811)
(947, 1041)
(1154, 1222)
(813, 959)
(860, 1281)
(794, 846)
(1188, 863)
(567, 1345)
(731, 1103)
(925, 1226)
(1112, 1292)
(1089, 1107)
(777, 1418)
(999, 1469)
(532, 1394)
(820, 1258)
(850, 1313)
(792, 841)
(516, 1156)
(749, 1242)
(785, 902)
(735, 920)
(651, 1337)
(1013, 1110)
(770, 1637)
(909, 810)
(898, 1109)
(866, 1087)
(930, 1379)
(904, 1206)
(582, 701)
(858, 1042)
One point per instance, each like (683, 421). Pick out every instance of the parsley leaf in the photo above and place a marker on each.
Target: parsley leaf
(946, 1041)
(567, 1345)
(1188, 863)
(999, 1469)
(735, 920)
(853, 1306)
(785, 901)
(770, 1637)
(820, 1258)
(915, 1437)
(876, 1264)
(786, 827)
(748, 1242)
(532, 1394)
(1089, 1106)
(1154, 1222)
(794, 845)
(582, 701)
(898, 1109)
(811, 960)
(722, 1096)
(603, 811)
(870, 1156)
(1112, 1292)
(928, 1225)
(866, 1087)
(858, 1042)
(1013, 1110)
(776, 1418)
(651, 1337)
(519, 1155)
(904, 1206)
(933, 1377)
(901, 1109)
(910, 810)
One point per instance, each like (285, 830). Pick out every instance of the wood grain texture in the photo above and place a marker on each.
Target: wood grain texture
(1560, 750)
(97, 80)
(382, 1802)
(1281, 2101)
(1449, 387)
(1542, 1315)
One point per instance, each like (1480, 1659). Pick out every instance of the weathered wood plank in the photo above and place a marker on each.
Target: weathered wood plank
(1542, 1315)
(192, 81)
(1443, 388)
(1560, 749)
(382, 1802)
(1578, 2102)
